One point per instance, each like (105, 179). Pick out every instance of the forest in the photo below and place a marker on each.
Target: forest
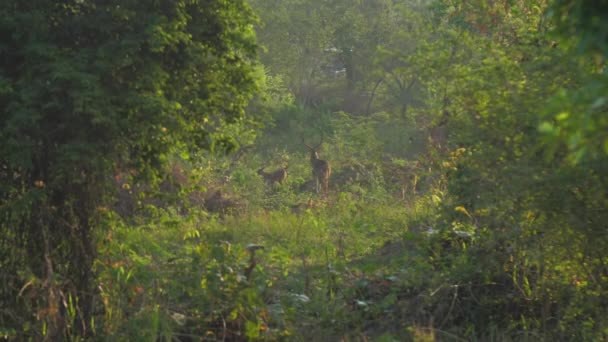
(303, 170)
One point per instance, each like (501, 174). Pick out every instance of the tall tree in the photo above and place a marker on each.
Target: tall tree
(88, 87)
(504, 85)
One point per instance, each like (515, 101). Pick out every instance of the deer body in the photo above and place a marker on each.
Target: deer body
(321, 170)
(279, 176)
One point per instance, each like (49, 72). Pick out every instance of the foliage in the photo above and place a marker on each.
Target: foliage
(576, 117)
(90, 90)
(467, 143)
(504, 188)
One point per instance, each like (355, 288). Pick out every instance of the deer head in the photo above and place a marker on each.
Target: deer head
(314, 151)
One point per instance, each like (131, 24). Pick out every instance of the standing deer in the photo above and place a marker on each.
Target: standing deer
(321, 170)
(278, 176)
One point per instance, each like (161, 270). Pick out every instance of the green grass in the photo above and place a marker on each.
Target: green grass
(360, 264)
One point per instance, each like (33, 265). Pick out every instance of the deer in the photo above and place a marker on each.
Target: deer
(279, 176)
(302, 207)
(321, 169)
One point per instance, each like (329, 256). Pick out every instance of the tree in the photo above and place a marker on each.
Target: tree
(506, 76)
(494, 74)
(577, 117)
(88, 88)
(320, 47)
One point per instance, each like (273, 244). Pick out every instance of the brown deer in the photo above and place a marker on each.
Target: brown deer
(321, 170)
(279, 176)
(302, 207)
